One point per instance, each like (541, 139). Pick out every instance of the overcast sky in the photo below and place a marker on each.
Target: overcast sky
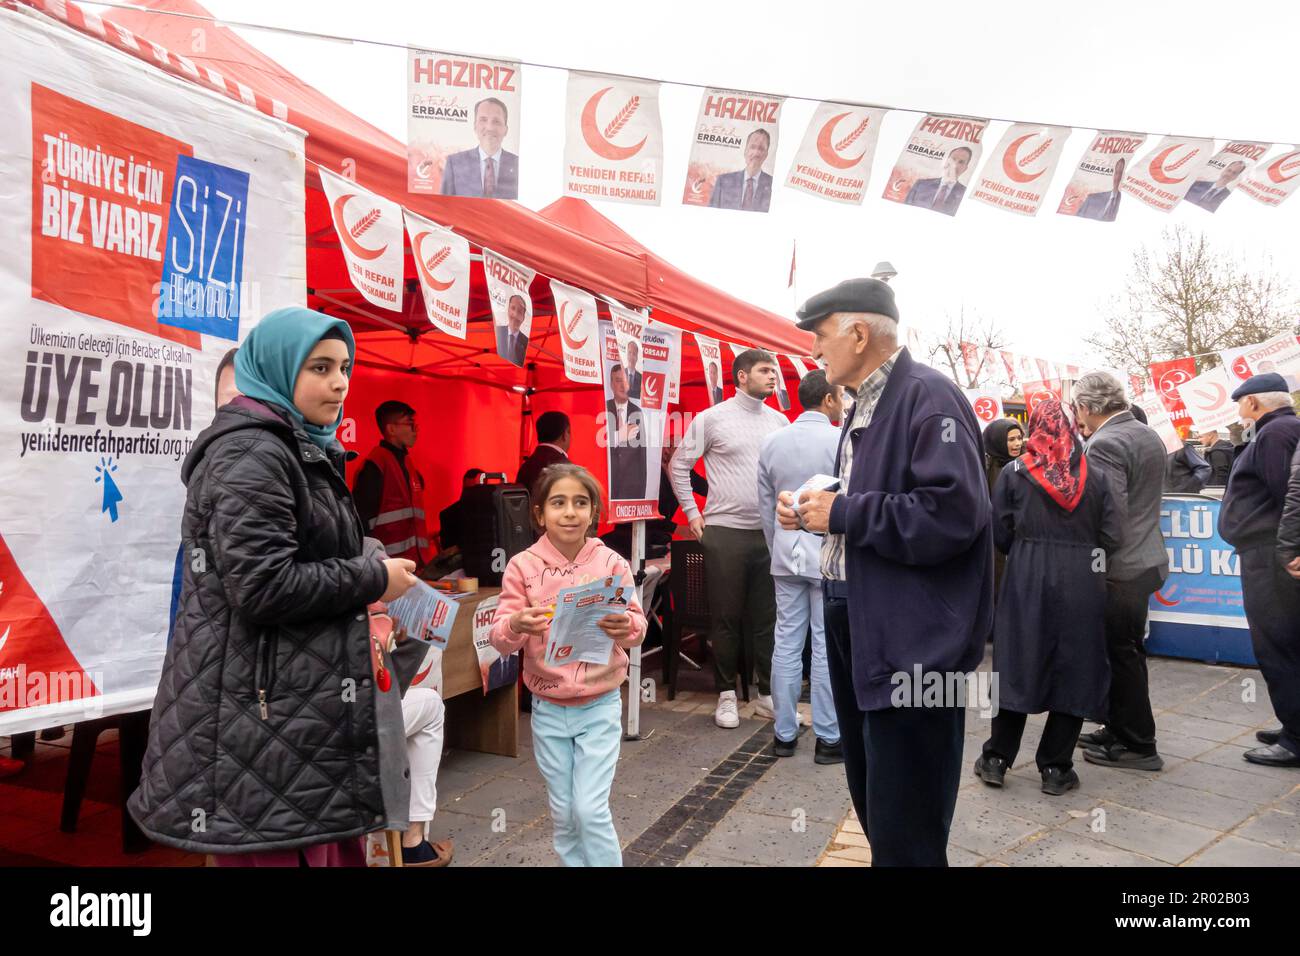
(1191, 67)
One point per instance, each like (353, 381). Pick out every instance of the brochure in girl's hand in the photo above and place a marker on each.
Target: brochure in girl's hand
(424, 613)
(575, 634)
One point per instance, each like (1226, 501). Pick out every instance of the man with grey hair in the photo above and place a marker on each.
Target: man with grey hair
(1248, 520)
(1133, 459)
(907, 568)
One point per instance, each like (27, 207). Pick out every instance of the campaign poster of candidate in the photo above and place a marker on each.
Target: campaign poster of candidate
(614, 144)
(1280, 354)
(1222, 173)
(508, 286)
(1274, 179)
(1093, 191)
(734, 151)
(575, 319)
(442, 262)
(150, 225)
(369, 228)
(1018, 172)
(495, 670)
(661, 349)
(937, 163)
(711, 359)
(1163, 176)
(632, 435)
(834, 159)
(462, 125)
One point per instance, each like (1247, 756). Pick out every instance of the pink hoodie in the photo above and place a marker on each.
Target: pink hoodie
(532, 579)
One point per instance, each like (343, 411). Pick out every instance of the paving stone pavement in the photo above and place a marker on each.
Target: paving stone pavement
(1208, 807)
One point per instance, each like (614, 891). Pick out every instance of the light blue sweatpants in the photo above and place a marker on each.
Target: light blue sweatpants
(577, 752)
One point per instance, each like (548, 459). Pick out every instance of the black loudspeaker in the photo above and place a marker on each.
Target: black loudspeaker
(497, 526)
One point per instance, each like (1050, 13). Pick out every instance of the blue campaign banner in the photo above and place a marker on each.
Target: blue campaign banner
(203, 264)
(1198, 613)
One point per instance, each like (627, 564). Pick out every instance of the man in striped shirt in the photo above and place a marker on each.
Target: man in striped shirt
(737, 564)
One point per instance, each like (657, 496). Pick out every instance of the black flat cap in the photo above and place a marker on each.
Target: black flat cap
(1256, 384)
(851, 295)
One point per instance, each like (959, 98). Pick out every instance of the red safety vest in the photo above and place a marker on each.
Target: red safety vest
(400, 522)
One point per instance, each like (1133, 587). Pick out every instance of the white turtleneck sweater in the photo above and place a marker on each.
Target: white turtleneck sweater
(728, 437)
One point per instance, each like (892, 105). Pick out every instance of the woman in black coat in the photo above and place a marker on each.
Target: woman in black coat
(1003, 440)
(266, 731)
(1056, 521)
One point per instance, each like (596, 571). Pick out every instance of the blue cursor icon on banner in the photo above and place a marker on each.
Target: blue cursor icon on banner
(111, 495)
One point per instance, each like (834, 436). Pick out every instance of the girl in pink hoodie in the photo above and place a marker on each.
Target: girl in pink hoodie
(577, 707)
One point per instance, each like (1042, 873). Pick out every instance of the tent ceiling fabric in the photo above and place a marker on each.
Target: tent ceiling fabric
(568, 241)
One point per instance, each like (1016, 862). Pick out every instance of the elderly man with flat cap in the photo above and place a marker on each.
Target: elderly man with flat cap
(907, 563)
(1248, 520)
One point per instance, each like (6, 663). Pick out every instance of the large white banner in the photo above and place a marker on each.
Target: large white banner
(575, 317)
(442, 262)
(834, 159)
(937, 163)
(1016, 175)
(734, 152)
(1275, 179)
(1162, 177)
(462, 125)
(150, 224)
(614, 148)
(1223, 172)
(1094, 190)
(369, 228)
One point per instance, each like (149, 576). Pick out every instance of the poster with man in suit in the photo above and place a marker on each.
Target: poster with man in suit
(1093, 191)
(734, 151)
(462, 126)
(1222, 172)
(508, 286)
(937, 163)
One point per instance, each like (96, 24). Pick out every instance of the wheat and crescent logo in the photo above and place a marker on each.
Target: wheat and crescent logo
(1157, 165)
(567, 326)
(426, 266)
(1276, 168)
(600, 143)
(1011, 161)
(831, 153)
(349, 236)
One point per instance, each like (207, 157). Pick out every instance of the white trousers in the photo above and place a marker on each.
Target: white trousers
(423, 714)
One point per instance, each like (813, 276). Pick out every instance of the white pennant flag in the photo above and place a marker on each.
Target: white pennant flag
(1017, 173)
(369, 228)
(1162, 177)
(442, 262)
(662, 355)
(711, 359)
(834, 159)
(508, 285)
(1207, 398)
(1275, 179)
(576, 319)
(1223, 172)
(614, 148)
(628, 328)
(986, 403)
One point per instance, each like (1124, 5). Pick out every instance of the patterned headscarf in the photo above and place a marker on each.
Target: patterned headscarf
(1053, 455)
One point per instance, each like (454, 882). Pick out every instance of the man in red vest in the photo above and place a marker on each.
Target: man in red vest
(389, 494)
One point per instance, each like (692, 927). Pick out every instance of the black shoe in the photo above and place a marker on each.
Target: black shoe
(992, 769)
(784, 748)
(1117, 755)
(1273, 756)
(1268, 736)
(826, 753)
(1057, 781)
(1101, 737)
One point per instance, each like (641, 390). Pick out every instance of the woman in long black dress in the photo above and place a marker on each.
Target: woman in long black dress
(1056, 521)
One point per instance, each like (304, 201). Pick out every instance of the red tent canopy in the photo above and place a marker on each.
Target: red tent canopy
(477, 406)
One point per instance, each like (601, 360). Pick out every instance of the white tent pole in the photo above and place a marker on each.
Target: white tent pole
(634, 657)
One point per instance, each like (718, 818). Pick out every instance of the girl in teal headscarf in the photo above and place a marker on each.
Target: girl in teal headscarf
(271, 366)
(249, 722)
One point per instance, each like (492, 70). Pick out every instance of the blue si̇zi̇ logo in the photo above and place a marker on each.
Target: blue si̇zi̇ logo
(203, 263)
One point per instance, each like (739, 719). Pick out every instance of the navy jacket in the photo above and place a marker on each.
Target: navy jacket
(918, 534)
(1252, 505)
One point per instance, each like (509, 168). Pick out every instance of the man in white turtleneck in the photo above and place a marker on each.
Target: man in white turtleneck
(737, 565)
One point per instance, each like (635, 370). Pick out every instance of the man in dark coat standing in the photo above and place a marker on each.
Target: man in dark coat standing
(1220, 454)
(907, 571)
(1133, 458)
(554, 435)
(1249, 521)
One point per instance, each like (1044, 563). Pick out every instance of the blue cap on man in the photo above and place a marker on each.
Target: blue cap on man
(1258, 384)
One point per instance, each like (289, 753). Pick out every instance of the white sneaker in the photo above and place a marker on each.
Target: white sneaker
(763, 707)
(726, 715)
